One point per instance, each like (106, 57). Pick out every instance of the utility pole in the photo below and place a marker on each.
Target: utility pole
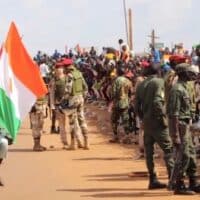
(125, 18)
(130, 29)
(153, 37)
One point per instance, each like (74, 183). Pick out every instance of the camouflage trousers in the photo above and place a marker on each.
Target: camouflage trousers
(77, 117)
(118, 114)
(61, 117)
(37, 123)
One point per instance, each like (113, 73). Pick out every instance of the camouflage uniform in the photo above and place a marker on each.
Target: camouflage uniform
(120, 96)
(149, 105)
(139, 80)
(37, 115)
(57, 93)
(170, 80)
(76, 88)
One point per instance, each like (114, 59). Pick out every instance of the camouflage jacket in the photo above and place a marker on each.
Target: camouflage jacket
(121, 89)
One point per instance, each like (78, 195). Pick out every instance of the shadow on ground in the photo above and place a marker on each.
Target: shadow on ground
(117, 192)
(103, 158)
(97, 190)
(128, 195)
(26, 150)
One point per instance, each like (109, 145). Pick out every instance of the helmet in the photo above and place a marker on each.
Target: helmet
(187, 71)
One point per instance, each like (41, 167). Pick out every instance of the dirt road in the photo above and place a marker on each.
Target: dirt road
(101, 173)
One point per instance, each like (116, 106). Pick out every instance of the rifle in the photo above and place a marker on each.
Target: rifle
(177, 167)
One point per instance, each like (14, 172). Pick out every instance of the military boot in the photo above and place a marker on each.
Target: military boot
(65, 145)
(127, 139)
(154, 183)
(53, 130)
(193, 185)
(80, 146)
(72, 146)
(37, 146)
(115, 139)
(181, 189)
(86, 144)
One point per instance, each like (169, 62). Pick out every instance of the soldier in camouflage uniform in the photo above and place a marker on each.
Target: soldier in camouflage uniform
(57, 93)
(149, 105)
(139, 80)
(37, 116)
(76, 89)
(179, 112)
(121, 89)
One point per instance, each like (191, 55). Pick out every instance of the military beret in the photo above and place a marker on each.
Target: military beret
(177, 59)
(64, 63)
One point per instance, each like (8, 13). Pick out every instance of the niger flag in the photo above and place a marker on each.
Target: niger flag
(20, 83)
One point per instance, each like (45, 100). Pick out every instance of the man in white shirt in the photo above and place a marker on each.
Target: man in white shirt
(44, 70)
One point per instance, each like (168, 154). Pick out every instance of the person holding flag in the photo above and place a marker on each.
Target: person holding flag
(20, 83)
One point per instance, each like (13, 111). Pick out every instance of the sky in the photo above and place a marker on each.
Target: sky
(48, 24)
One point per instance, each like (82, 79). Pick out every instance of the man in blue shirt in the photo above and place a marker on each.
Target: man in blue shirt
(156, 55)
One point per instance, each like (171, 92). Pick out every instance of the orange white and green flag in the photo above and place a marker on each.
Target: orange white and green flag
(20, 83)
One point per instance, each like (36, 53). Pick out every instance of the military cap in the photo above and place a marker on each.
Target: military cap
(41, 100)
(185, 67)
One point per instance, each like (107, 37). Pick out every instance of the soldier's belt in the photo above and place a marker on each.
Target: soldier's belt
(65, 109)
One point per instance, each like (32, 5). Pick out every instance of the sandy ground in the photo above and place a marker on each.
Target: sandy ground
(101, 173)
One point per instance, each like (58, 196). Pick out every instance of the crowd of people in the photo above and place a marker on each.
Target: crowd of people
(154, 97)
